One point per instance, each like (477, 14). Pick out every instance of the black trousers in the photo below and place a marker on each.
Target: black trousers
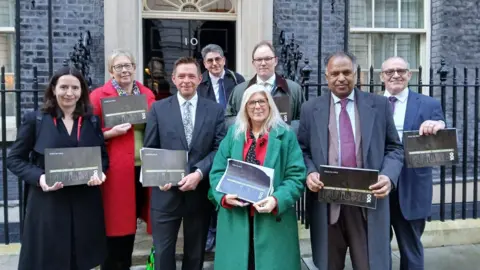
(119, 253)
(165, 227)
(120, 248)
(350, 232)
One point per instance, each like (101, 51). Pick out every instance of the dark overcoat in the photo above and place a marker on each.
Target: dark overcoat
(381, 150)
(57, 221)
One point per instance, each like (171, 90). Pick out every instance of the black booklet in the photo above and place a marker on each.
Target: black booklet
(431, 150)
(124, 109)
(251, 182)
(162, 166)
(350, 186)
(283, 105)
(72, 166)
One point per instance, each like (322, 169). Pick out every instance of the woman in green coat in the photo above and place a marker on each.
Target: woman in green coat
(262, 236)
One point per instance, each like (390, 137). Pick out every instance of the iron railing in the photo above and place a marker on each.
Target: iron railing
(460, 112)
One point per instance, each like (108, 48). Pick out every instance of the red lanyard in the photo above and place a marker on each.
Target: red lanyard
(78, 126)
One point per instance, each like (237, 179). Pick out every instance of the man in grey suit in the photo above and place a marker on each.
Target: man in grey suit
(349, 128)
(188, 122)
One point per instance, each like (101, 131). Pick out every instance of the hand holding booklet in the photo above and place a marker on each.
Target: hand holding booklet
(432, 150)
(162, 166)
(250, 182)
(124, 109)
(350, 186)
(72, 166)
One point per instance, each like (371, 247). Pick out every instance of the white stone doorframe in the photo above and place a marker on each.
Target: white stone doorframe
(123, 29)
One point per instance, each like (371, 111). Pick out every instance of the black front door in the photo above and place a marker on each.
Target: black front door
(167, 40)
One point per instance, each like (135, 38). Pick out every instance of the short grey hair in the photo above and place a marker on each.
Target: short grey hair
(396, 58)
(242, 120)
(211, 48)
(119, 52)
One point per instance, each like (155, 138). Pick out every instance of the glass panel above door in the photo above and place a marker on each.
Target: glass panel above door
(217, 6)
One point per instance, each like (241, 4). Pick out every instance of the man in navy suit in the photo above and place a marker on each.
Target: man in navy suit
(185, 121)
(410, 203)
(217, 84)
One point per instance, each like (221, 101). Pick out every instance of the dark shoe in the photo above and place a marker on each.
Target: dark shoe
(210, 241)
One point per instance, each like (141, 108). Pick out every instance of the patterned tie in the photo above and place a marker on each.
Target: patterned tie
(347, 141)
(221, 94)
(187, 121)
(392, 100)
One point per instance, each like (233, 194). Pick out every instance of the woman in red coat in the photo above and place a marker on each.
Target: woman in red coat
(123, 195)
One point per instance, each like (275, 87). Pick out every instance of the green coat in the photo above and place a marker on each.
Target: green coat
(276, 236)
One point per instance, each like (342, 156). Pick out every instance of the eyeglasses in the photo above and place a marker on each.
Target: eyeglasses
(119, 68)
(216, 59)
(266, 59)
(252, 103)
(391, 72)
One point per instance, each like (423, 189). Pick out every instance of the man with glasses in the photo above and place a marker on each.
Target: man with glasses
(217, 84)
(217, 81)
(265, 61)
(410, 202)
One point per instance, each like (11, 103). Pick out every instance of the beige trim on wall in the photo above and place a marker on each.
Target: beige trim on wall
(122, 23)
(122, 30)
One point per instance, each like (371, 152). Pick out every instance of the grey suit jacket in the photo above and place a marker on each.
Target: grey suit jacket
(381, 150)
(165, 130)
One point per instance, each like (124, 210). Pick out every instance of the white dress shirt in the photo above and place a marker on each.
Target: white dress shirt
(269, 84)
(351, 113)
(193, 101)
(400, 110)
(215, 84)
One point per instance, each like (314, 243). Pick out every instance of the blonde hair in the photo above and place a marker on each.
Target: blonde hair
(273, 120)
(116, 53)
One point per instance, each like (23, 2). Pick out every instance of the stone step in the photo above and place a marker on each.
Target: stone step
(144, 242)
(143, 245)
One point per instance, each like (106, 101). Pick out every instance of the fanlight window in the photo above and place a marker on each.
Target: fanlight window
(218, 6)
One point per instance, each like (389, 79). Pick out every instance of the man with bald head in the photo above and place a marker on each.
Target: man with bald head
(350, 128)
(410, 203)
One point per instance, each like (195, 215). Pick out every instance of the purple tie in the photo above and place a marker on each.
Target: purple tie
(347, 141)
(392, 100)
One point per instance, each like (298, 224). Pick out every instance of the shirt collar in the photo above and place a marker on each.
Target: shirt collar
(182, 100)
(270, 80)
(402, 96)
(214, 78)
(337, 99)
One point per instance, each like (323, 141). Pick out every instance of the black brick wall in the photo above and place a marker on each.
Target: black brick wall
(70, 17)
(301, 19)
(455, 38)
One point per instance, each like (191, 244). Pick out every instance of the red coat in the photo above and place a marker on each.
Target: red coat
(118, 191)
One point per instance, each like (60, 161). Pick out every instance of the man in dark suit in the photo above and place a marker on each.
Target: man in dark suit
(217, 84)
(349, 128)
(410, 203)
(188, 122)
(217, 81)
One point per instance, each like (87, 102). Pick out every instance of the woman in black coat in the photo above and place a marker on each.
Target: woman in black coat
(64, 226)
